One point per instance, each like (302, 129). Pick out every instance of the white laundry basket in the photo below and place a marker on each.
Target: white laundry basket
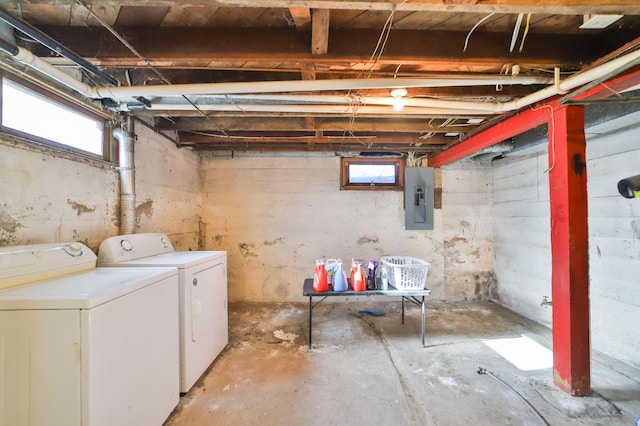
(405, 272)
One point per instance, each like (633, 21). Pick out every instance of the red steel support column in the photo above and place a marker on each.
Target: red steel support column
(569, 250)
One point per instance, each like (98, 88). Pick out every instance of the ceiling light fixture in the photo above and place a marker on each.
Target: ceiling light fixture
(398, 94)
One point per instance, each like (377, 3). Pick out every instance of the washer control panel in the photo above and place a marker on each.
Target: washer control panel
(122, 248)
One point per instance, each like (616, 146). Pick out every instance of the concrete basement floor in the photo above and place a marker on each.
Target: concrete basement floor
(373, 370)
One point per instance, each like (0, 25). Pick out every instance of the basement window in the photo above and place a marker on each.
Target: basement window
(372, 173)
(31, 115)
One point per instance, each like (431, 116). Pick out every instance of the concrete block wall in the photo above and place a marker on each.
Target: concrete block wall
(168, 191)
(48, 196)
(276, 214)
(522, 236)
(467, 233)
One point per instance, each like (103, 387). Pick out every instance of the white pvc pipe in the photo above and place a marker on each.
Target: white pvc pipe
(130, 92)
(320, 109)
(275, 100)
(28, 58)
(446, 107)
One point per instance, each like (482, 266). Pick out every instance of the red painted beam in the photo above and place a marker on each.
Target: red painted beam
(569, 250)
(528, 119)
(613, 86)
(512, 126)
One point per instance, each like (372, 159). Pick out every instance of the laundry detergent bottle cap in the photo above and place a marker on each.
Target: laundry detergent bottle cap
(340, 282)
(320, 277)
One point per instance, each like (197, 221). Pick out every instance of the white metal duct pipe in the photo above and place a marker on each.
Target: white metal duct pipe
(127, 182)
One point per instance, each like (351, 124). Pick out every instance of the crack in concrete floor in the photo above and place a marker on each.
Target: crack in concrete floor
(375, 371)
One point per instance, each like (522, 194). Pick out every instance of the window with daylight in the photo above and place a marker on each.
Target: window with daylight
(32, 115)
(372, 173)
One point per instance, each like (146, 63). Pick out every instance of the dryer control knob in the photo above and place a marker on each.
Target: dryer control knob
(126, 245)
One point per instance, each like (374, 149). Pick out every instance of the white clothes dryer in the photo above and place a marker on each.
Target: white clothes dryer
(203, 294)
(81, 345)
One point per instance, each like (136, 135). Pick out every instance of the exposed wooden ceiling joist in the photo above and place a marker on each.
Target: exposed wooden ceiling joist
(198, 41)
(301, 124)
(348, 49)
(486, 6)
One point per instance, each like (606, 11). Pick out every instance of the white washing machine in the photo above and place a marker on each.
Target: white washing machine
(203, 294)
(81, 345)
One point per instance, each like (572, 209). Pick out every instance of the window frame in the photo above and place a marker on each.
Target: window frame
(398, 162)
(64, 103)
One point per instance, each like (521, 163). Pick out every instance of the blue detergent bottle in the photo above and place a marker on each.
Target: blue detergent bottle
(340, 282)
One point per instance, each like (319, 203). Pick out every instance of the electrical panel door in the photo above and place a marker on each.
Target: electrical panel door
(418, 198)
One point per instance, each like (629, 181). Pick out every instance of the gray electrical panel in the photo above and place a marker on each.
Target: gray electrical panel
(418, 198)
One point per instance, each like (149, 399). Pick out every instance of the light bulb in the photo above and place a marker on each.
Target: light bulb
(398, 103)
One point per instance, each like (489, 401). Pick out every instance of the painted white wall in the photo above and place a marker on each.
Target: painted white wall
(467, 234)
(276, 214)
(48, 196)
(522, 236)
(168, 189)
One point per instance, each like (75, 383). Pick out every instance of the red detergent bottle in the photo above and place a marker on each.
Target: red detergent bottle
(358, 281)
(320, 277)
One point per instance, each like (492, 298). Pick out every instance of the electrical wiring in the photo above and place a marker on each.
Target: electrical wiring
(133, 50)
(516, 31)
(466, 40)
(526, 31)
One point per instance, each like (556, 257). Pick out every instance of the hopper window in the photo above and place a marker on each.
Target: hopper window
(29, 114)
(366, 173)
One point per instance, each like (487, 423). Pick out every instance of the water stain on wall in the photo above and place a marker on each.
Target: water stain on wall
(274, 242)
(8, 223)
(245, 249)
(485, 285)
(8, 227)
(79, 207)
(366, 239)
(144, 209)
(218, 238)
(454, 241)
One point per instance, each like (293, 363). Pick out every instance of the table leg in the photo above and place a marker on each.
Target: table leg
(310, 310)
(423, 314)
(402, 309)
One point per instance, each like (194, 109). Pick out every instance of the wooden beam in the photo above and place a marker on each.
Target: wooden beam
(192, 48)
(320, 32)
(303, 138)
(569, 250)
(544, 7)
(345, 147)
(301, 17)
(306, 123)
